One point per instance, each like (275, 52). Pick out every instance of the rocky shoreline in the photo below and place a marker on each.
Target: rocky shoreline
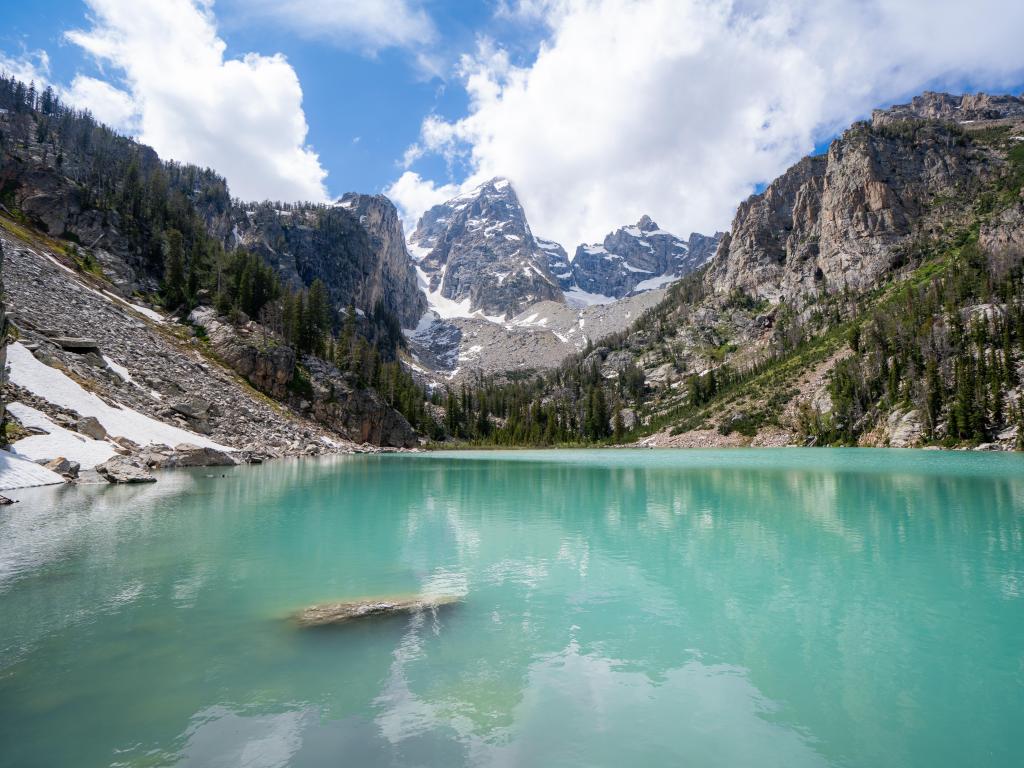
(126, 357)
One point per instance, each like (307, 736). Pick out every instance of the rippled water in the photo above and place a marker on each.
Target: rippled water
(647, 608)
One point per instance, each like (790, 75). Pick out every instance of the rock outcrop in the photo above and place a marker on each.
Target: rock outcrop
(479, 247)
(64, 467)
(393, 281)
(311, 386)
(557, 262)
(848, 218)
(954, 108)
(356, 248)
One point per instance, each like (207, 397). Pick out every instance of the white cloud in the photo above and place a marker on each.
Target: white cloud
(413, 195)
(369, 26)
(241, 116)
(676, 108)
(108, 104)
(30, 67)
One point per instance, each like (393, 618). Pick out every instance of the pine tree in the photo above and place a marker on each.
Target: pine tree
(174, 270)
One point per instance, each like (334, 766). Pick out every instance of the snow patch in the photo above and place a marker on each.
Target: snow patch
(144, 311)
(417, 251)
(654, 283)
(120, 370)
(55, 387)
(16, 472)
(57, 441)
(577, 297)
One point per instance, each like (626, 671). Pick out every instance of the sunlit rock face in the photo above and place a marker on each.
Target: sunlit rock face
(479, 247)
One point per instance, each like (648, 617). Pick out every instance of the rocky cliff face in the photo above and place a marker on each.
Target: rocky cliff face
(638, 257)
(558, 262)
(393, 281)
(846, 218)
(3, 346)
(357, 248)
(317, 389)
(479, 247)
(953, 108)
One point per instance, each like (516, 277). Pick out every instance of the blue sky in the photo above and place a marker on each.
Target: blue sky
(598, 110)
(362, 110)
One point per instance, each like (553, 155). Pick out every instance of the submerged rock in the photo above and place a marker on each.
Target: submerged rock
(121, 469)
(325, 614)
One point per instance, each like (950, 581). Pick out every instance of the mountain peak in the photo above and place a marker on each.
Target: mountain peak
(647, 224)
(478, 255)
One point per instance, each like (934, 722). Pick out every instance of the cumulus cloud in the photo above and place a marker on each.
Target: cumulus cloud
(412, 195)
(241, 116)
(108, 104)
(30, 67)
(677, 108)
(369, 26)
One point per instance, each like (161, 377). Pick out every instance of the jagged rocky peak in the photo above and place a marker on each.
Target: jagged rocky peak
(558, 262)
(477, 250)
(968, 107)
(638, 257)
(844, 220)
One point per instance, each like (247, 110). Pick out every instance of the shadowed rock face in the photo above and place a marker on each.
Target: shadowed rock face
(327, 614)
(844, 219)
(3, 347)
(331, 399)
(479, 247)
(357, 248)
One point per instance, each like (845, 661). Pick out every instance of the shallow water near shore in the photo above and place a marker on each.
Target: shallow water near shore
(657, 608)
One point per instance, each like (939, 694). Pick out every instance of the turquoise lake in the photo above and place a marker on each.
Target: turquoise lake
(619, 608)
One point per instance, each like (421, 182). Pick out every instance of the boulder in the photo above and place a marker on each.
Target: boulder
(191, 407)
(91, 427)
(123, 469)
(126, 445)
(62, 466)
(76, 343)
(188, 455)
(338, 613)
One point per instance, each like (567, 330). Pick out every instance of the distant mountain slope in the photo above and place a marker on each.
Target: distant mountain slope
(873, 295)
(638, 257)
(478, 261)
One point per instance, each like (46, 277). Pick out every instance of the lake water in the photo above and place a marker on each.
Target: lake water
(620, 608)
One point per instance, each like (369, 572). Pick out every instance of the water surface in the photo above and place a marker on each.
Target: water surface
(655, 608)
